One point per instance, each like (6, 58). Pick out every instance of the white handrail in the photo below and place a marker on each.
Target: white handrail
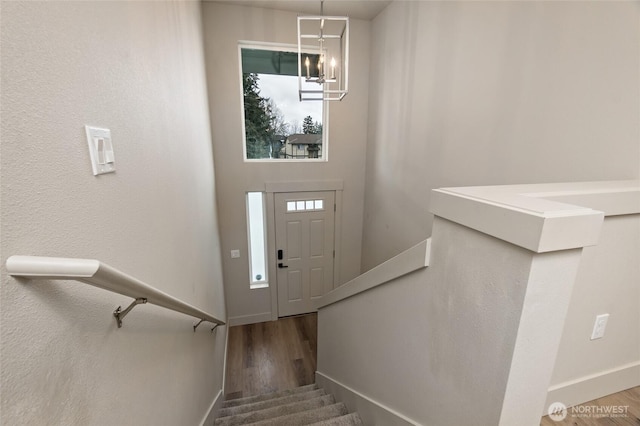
(101, 275)
(417, 257)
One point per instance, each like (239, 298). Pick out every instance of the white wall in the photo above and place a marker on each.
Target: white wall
(415, 347)
(224, 26)
(454, 343)
(480, 93)
(608, 281)
(138, 69)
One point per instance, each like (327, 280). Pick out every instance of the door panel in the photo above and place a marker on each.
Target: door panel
(316, 282)
(294, 286)
(294, 240)
(316, 238)
(305, 234)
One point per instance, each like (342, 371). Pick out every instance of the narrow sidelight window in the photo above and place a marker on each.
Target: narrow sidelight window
(257, 246)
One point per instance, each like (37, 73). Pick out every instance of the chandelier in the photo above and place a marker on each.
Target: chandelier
(323, 57)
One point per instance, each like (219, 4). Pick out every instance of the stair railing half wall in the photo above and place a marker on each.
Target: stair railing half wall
(457, 342)
(410, 260)
(98, 274)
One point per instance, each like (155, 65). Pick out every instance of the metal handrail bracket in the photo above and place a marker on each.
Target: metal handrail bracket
(121, 314)
(196, 325)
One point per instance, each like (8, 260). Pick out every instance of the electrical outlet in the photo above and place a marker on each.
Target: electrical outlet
(235, 254)
(599, 326)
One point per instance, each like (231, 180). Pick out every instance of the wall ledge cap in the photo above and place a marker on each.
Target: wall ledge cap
(538, 217)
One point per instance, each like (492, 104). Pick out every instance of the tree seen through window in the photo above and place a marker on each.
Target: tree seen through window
(274, 118)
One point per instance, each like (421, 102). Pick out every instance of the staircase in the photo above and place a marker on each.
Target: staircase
(306, 405)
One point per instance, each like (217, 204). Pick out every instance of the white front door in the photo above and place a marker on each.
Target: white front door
(304, 244)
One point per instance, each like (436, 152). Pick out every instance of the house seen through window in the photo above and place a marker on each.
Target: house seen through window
(277, 126)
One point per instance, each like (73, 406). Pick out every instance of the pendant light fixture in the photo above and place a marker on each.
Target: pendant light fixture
(323, 57)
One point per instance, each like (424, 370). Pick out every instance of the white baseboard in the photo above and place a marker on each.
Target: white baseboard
(213, 409)
(371, 412)
(249, 319)
(595, 386)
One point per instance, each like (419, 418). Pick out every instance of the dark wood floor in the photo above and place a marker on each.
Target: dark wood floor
(271, 356)
(629, 398)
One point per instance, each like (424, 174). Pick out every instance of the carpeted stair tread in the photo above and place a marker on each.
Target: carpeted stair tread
(275, 411)
(305, 405)
(266, 396)
(352, 419)
(261, 405)
(306, 417)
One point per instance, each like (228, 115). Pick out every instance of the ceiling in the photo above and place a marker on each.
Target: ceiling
(358, 9)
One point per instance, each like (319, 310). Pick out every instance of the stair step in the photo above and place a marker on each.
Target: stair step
(352, 419)
(266, 396)
(261, 405)
(306, 417)
(276, 411)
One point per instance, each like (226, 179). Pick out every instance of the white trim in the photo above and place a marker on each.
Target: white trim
(516, 225)
(305, 186)
(241, 87)
(249, 319)
(281, 47)
(595, 386)
(271, 188)
(538, 217)
(254, 285)
(271, 252)
(224, 363)
(210, 416)
(613, 203)
(337, 232)
(417, 257)
(370, 411)
(284, 160)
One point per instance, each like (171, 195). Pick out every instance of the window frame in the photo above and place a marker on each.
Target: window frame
(282, 47)
(253, 284)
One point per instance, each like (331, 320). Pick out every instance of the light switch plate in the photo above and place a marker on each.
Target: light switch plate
(100, 150)
(235, 254)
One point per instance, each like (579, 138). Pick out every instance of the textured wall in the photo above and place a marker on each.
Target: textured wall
(608, 282)
(480, 93)
(224, 26)
(452, 344)
(138, 69)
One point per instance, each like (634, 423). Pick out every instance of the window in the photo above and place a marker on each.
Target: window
(304, 205)
(257, 247)
(277, 126)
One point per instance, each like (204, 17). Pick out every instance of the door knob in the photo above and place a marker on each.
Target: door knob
(280, 265)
